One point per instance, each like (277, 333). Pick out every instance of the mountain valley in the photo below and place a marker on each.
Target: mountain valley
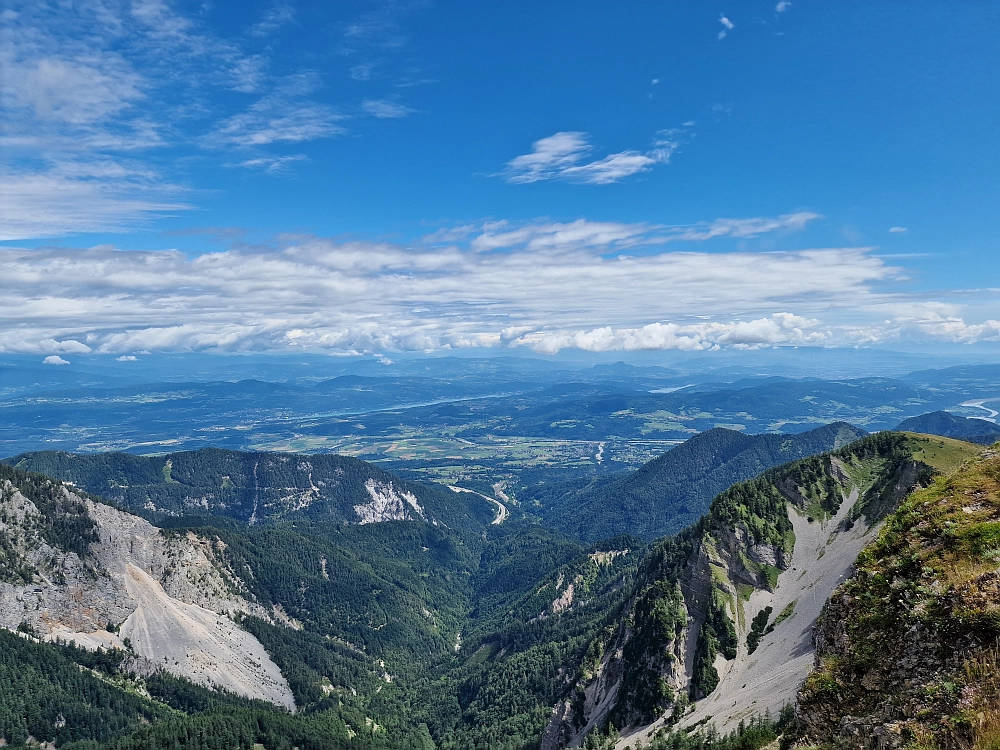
(393, 613)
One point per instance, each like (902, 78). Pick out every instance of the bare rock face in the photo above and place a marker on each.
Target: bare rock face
(719, 627)
(166, 595)
(387, 503)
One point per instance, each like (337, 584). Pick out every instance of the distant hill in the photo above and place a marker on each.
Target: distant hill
(674, 490)
(259, 487)
(949, 425)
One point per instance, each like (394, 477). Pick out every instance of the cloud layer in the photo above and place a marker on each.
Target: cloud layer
(586, 285)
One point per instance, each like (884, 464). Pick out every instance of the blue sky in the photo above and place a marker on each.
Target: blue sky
(359, 177)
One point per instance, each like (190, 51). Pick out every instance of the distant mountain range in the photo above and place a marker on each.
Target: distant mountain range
(947, 424)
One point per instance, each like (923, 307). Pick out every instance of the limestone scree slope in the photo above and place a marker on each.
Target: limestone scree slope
(82, 571)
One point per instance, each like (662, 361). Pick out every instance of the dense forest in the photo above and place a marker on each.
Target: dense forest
(251, 487)
(416, 635)
(674, 490)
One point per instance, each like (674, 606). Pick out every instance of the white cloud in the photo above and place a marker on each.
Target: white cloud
(782, 6)
(385, 109)
(559, 157)
(127, 358)
(546, 286)
(612, 168)
(90, 89)
(897, 230)
(55, 359)
(362, 71)
(561, 237)
(61, 200)
(727, 26)
(744, 228)
(69, 346)
(597, 286)
(778, 329)
(271, 164)
(611, 236)
(280, 117)
(276, 17)
(942, 322)
(548, 157)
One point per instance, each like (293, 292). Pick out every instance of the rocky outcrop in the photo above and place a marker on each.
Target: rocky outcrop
(906, 650)
(388, 503)
(771, 550)
(165, 596)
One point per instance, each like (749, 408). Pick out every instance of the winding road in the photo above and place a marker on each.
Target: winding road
(502, 512)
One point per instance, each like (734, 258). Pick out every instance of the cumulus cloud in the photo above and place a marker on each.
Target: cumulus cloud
(780, 328)
(782, 6)
(545, 285)
(559, 156)
(596, 286)
(55, 359)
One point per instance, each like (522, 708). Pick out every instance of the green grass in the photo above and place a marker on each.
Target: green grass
(929, 570)
(944, 454)
(787, 612)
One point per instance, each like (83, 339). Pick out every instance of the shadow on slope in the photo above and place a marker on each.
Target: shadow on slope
(673, 491)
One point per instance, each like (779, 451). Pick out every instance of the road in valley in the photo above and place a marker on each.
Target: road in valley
(502, 512)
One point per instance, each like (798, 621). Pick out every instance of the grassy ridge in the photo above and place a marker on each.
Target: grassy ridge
(917, 626)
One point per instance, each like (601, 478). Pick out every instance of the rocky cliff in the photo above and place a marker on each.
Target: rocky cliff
(75, 569)
(719, 626)
(907, 649)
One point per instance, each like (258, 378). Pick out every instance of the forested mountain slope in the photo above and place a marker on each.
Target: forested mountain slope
(77, 699)
(355, 616)
(908, 649)
(950, 425)
(259, 487)
(721, 614)
(407, 633)
(674, 490)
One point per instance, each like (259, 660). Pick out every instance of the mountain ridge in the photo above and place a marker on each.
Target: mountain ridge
(951, 425)
(674, 490)
(258, 487)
